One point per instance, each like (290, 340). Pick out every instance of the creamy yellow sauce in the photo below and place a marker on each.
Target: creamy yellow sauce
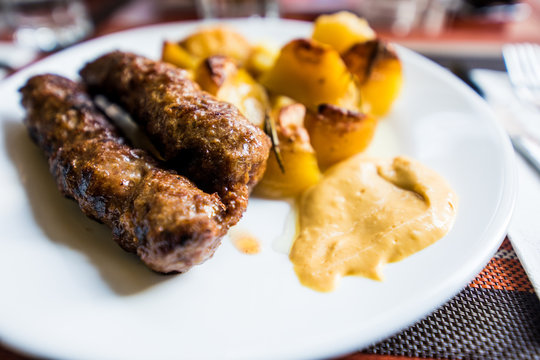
(366, 213)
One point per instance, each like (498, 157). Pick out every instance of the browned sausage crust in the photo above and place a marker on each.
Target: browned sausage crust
(207, 140)
(158, 214)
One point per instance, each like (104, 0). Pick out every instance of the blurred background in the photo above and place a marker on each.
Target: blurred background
(456, 33)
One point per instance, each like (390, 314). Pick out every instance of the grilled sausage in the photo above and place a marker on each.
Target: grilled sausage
(157, 214)
(207, 140)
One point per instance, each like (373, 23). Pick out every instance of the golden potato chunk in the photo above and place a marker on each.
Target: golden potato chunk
(219, 40)
(214, 72)
(298, 157)
(220, 76)
(337, 133)
(309, 72)
(261, 59)
(378, 71)
(173, 53)
(204, 43)
(342, 30)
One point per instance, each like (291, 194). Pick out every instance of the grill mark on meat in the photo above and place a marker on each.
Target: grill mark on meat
(157, 214)
(207, 140)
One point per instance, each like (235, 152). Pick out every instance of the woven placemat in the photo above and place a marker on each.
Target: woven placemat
(497, 316)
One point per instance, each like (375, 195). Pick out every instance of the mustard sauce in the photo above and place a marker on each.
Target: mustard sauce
(365, 213)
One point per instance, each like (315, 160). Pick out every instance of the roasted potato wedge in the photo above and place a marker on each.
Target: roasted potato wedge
(309, 72)
(220, 76)
(214, 72)
(337, 133)
(219, 40)
(204, 43)
(379, 74)
(341, 30)
(175, 54)
(298, 157)
(262, 58)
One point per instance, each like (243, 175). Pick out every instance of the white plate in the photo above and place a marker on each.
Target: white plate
(68, 291)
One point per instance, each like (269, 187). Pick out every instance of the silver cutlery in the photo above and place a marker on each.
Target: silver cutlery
(523, 66)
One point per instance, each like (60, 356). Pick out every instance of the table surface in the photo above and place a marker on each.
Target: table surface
(497, 316)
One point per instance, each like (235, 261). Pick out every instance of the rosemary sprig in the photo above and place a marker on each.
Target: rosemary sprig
(270, 129)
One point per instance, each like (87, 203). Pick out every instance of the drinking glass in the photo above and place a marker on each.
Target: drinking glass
(46, 25)
(237, 8)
